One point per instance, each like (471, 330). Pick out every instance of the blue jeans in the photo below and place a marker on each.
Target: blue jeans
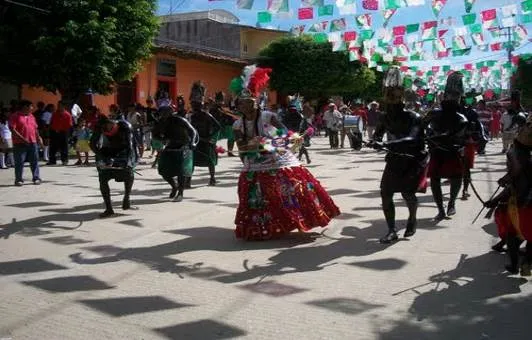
(31, 151)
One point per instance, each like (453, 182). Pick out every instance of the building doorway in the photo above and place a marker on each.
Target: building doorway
(126, 93)
(166, 86)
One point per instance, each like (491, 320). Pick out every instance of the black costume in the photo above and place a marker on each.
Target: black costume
(406, 162)
(226, 121)
(208, 128)
(116, 156)
(446, 134)
(476, 139)
(176, 159)
(513, 207)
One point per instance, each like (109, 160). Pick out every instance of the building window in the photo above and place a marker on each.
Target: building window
(166, 67)
(245, 47)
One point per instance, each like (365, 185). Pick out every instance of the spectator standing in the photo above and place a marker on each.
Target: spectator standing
(83, 137)
(495, 127)
(333, 121)
(373, 117)
(136, 119)
(60, 125)
(26, 142)
(6, 141)
(44, 130)
(151, 119)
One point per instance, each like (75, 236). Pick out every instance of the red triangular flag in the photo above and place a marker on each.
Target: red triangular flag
(305, 13)
(399, 30)
(441, 33)
(429, 24)
(489, 14)
(371, 5)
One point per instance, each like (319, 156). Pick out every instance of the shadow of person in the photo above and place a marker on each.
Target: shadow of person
(354, 242)
(44, 225)
(466, 303)
(199, 239)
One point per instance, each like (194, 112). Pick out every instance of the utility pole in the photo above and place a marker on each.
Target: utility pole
(507, 33)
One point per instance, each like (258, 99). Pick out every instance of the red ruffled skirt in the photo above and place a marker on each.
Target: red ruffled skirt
(273, 203)
(505, 225)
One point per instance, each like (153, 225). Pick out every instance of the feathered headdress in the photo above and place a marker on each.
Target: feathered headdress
(454, 89)
(251, 83)
(197, 93)
(393, 87)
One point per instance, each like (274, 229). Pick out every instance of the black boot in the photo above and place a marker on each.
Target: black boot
(513, 253)
(171, 181)
(499, 247)
(410, 229)
(390, 237)
(188, 182)
(106, 195)
(451, 210)
(411, 203)
(435, 186)
(180, 186)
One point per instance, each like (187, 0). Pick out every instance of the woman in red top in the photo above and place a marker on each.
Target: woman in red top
(495, 126)
(60, 126)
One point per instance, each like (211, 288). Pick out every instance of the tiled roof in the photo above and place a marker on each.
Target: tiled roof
(198, 54)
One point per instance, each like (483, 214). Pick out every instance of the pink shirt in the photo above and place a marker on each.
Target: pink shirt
(25, 125)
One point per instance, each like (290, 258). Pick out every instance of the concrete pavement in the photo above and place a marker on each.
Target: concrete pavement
(175, 270)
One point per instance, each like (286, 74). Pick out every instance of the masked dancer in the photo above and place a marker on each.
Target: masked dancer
(446, 134)
(226, 120)
(208, 128)
(513, 207)
(176, 159)
(116, 156)
(475, 140)
(406, 160)
(276, 194)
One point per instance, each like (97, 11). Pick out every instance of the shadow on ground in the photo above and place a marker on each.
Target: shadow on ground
(472, 301)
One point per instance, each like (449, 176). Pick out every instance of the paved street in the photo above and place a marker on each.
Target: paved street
(175, 270)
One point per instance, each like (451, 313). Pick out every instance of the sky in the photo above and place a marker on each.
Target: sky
(403, 16)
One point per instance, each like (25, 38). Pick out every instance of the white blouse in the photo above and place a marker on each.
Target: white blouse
(264, 125)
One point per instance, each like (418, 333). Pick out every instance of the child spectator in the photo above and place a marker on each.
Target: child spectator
(6, 143)
(83, 135)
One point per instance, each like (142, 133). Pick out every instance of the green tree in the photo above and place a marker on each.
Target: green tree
(72, 45)
(301, 65)
(523, 81)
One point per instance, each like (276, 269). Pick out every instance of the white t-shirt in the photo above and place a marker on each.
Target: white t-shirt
(5, 133)
(264, 125)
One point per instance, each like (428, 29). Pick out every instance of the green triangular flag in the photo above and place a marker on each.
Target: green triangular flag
(412, 28)
(469, 5)
(393, 4)
(526, 18)
(264, 17)
(366, 34)
(476, 28)
(469, 19)
(526, 5)
(320, 37)
(326, 10)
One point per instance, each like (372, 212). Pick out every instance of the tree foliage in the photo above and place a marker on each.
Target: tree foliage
(523, 80)
(312, 69)
(77, 45)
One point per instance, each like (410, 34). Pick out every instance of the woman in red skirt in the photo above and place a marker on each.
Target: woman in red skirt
(276, 194)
